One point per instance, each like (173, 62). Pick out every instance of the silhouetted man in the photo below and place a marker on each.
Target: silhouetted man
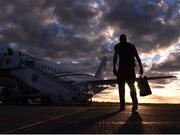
(126, 52)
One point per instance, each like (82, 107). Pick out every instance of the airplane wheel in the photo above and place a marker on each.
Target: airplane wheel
(7, 96)
(21, 101)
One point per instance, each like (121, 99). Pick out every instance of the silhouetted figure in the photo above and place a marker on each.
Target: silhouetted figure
(126, 52)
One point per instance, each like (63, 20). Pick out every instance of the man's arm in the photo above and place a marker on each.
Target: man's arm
(115, 61)
(139, 62)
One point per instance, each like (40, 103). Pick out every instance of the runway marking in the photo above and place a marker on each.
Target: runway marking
(46, 121)
(138, 123)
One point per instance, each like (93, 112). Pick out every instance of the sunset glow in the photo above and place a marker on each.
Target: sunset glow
(169, 94)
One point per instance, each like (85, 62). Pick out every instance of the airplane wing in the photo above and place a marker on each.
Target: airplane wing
(102, 82)
(114, 81)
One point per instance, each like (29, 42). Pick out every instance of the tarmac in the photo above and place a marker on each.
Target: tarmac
(95, 118)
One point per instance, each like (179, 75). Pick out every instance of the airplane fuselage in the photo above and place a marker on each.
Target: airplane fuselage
(60, 83)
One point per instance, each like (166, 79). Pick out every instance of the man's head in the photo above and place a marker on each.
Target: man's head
(123, 38)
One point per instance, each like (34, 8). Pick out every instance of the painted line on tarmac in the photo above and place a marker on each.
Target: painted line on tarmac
(139, 123)
(46, 121)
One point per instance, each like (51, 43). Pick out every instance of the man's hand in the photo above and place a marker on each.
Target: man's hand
(141, 71)
(115, 71)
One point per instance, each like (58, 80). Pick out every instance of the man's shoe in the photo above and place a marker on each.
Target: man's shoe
(134, 108)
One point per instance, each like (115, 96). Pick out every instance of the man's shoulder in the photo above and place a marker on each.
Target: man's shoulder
(130, 44)
(122, 45)
(117, 46)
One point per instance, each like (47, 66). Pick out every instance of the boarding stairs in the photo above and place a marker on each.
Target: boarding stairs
(31, 71)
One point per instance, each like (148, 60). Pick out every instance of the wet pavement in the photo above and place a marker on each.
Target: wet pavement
(95, 118)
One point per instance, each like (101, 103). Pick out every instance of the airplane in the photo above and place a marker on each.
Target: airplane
(25, 78)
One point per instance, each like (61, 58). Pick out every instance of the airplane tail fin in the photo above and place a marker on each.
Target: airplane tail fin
(101, 68)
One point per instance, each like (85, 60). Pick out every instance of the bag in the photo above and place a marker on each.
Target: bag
(143, 86)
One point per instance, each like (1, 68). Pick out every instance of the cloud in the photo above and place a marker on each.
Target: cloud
(89, 29)
(150, 25)
(171, 64)
(158, 86)
(23, 22)
(77, 12)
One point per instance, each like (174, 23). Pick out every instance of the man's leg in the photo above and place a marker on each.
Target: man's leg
(121, 86)
(133, 94)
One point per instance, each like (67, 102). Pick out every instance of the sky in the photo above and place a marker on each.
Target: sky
(78, 33)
